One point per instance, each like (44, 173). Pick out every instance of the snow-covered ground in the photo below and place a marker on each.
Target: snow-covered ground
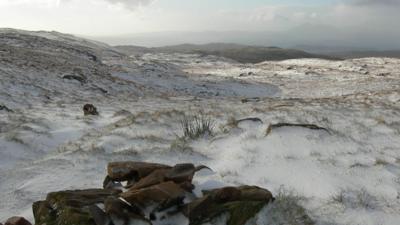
(349, 175)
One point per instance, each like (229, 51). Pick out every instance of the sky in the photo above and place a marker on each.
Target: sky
(327, 20)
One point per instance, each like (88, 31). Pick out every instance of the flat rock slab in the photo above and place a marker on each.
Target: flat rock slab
(242, 203)
(124, 171)
(156, 194)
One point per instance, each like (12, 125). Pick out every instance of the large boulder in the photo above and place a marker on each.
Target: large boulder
(241, 203)
(180, 173)
(70, 207)
(159, 194)
(127, 171)
(17, 221)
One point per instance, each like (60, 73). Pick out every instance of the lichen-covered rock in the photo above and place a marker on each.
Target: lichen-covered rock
(181, 173)
(241, 203)
(69, 207)
(125, 171)
(156, 194)
(17, 221)
(44, 213)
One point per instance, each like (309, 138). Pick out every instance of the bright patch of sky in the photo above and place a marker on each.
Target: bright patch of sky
(118, 17)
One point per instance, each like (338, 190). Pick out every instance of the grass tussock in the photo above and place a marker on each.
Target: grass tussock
(355, 199)
(197, 126)
(193, 127)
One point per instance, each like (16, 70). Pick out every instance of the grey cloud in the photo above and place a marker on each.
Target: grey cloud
(377, 2)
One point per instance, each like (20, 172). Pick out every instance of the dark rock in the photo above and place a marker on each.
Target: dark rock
(5, 108)
(44, 213)
(89, 109)
(70, 207)
(383, 74)
(180, 174)
(158, 194)
(120, 210)
(99, 216)
(81, 79)
(227, 194)
(108, 183)
(187, 186)
(255, 99)
(307, 126)
(17, 221)
(156, 177)
(242, 204)
(124, 171)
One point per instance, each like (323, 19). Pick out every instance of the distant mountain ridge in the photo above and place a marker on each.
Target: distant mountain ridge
(367, 54)
(237, 52)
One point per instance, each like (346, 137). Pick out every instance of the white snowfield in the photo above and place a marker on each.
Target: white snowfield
(347, 175)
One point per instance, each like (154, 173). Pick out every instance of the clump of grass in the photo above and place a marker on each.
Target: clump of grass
(197, 126)
(355, 199)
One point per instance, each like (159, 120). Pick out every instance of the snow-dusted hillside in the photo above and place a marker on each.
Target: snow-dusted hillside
(349, 174)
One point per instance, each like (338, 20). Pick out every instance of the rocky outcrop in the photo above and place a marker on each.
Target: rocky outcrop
(152, 189)
(126, 171)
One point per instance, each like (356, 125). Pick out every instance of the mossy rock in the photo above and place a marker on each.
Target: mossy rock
(69, 207)
(240, 203)
(44, 213)
(239, 212)
(242, 211)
